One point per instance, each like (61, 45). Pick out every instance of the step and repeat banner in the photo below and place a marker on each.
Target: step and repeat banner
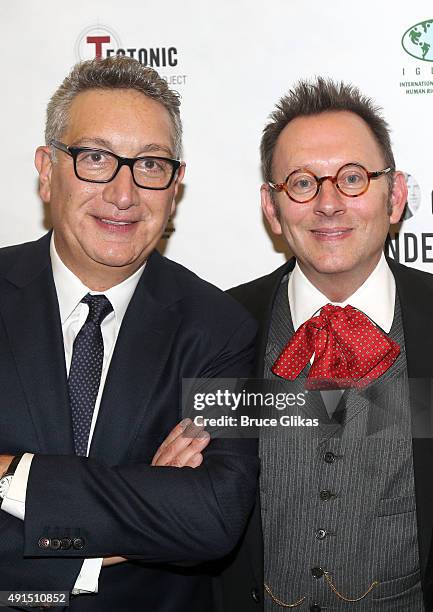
(230, 60)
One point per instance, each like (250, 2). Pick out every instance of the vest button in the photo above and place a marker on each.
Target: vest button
(329, 457)
(317, 572)
(255, 595)
(321, 534)
(325, 495)
(315, 608)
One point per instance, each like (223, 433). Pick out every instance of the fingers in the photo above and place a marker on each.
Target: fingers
(189, 456)
(113, 561)
(175, 433)
(195, 460)
(183, 446)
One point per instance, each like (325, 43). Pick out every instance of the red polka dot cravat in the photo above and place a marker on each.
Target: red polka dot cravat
(86, 368)
(349, 350)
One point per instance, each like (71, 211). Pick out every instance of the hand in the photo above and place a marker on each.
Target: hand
(5, 461)
(183, 446)
(113, 561)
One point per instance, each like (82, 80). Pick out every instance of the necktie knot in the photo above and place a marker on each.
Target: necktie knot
(99, 307)
(349, 350)
(336, 317)
(323, 319)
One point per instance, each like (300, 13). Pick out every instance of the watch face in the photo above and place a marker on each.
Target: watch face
(5, 483)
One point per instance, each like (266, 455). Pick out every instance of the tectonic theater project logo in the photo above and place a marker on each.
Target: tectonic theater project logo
(102, 41)
(417, 74)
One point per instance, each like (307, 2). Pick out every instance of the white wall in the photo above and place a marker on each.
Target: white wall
(234, 60)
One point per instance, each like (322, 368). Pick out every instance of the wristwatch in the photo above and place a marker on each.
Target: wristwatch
(6, 479)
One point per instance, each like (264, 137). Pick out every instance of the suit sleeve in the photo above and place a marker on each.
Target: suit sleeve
(156, 514)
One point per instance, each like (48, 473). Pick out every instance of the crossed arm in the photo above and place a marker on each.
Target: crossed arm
(183, 447)
(138, 511)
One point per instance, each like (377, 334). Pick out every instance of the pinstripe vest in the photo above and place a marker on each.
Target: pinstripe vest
(340, 496)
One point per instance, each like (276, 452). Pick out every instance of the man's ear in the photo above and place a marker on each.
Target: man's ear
(398, 197)
(177, 181)
(269, 207)
(43, 165)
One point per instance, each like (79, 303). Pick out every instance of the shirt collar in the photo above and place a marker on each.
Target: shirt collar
(375, 297)
(70, 290)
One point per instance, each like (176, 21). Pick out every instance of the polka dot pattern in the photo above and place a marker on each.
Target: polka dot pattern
(86, 367)
(349, 350)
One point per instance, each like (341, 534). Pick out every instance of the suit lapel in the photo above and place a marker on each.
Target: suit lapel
(416, 298)
(142, 349)
(31, 316)
(30, 312)
(258, 298)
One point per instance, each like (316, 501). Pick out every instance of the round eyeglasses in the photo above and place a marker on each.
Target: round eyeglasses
(352, 180)
(100, 166)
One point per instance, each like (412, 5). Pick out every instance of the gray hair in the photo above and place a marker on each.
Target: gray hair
(320, 96)
(115, 72)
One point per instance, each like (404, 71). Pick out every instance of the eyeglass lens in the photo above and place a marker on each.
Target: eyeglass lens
(96, 165)
(351, 180)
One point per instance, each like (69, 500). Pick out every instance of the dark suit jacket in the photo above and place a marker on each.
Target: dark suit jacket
(176, 326)
(243, 580)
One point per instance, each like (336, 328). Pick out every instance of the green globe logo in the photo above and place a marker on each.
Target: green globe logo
(417, 41)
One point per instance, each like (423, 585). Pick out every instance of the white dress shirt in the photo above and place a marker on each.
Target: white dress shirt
(73, 313)
(375, 298)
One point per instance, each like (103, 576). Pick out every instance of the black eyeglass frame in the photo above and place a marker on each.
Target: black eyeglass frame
(121, 161)
(319, 180)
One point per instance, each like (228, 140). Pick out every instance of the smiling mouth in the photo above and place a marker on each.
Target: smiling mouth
(337, 232)
(113, 222)
(115, 226)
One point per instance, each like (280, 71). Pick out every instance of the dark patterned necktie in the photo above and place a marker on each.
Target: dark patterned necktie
(85, 371)
(349, 350)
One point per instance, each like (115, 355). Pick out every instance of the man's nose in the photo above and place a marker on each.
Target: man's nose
(329, 201)
(121, 191)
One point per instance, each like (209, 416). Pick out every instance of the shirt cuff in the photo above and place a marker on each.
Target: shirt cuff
(15, 503)
(15, 500)
(87, 581)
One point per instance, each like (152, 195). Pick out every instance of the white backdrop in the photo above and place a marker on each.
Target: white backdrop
(231, 61)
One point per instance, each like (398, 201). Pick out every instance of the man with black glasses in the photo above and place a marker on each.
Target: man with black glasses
(97, 332)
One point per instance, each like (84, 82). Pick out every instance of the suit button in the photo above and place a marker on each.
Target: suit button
(65, 543)
(329, 457)
(78, 543)
(317, 572)
(255, 595)
(55, 544)
(315, 608)
(44, 543)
